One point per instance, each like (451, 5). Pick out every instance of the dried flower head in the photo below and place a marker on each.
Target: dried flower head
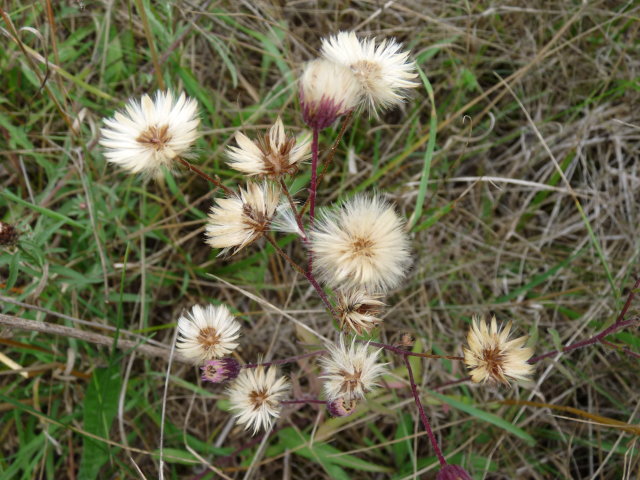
(207, 333)
(8, 234)
(220, 370)
(151, 133)
(361, 244)
(241, 219)
(327, 91)
(384, 71)
(255, 397)
(357, 310)
(350, 371)
(272, 156)
(492, 356)
(342, 406)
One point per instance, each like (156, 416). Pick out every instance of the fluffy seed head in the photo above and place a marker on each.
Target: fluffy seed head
(492, 356)
(255, 397)
(149, 134)
(207, 333)
(342, 407)
(361, 244)
(273, 155)
(384, 72)
(358, 311)
(327, 91)
(241, 219)
(220, 370)
(350, 371)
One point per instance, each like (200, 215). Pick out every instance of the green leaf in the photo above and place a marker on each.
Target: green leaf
(100, 407)
(485, 417)
(325, 454)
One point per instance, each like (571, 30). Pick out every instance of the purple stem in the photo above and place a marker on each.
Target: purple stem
(406, 353)
(284, 360)
(423, 416)
(312, 188)
(589, 341)
(302, 400)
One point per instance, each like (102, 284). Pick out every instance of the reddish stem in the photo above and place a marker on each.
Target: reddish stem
(285, 360)
(215, 181)
(312, 190)
(302, 400)
(423, 415)
(589, 341)
(400, 351)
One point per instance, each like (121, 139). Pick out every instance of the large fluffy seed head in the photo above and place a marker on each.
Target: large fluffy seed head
(149, 134)
(492, 356)
(239, 220)
(350, 371)
(255, 397)
(357, 310)
(384, 72)
(327, 91)
(272, 156)
(207, 333)
(361, 244)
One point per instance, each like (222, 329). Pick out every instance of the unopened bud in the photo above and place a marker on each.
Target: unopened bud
(341, 407)
(220, 370)
(8, 234)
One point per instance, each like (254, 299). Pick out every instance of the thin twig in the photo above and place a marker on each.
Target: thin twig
(423, 415)
(285, 360)
(215, 181)
(52, 329)
(332, 152)
(400, 351)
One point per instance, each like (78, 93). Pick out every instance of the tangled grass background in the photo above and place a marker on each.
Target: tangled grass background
(105, 260)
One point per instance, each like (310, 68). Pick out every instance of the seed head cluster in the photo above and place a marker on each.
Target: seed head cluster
(207, 333)
(274, 155)
(238, 220)
(491, 356)
(361, 244)
(255, 397)
(350, 371)
(149, 134)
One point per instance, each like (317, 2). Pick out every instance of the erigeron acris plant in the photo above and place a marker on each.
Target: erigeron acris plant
(357, 249)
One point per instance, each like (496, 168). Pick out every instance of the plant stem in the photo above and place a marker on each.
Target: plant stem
(405, 353)
(332, 153)
(285, 360)
(589, 341)
(292, 204)
(423, 415)
(302, 400)
(309, 276)
(312, 191)
(215, 181)
(599, 337)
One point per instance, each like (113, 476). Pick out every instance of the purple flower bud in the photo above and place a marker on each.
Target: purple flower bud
(220, 370)
(341, 407)
(453, 472)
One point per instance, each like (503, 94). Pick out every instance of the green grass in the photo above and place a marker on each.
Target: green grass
(101, 248)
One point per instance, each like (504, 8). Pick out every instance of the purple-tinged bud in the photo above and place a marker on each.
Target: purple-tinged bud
(8, 234)
(453, 472)
(327, 91)
(220, 370)
(341, 406)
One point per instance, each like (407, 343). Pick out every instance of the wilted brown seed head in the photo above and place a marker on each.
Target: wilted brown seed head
(276, 158)
(8, 234)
